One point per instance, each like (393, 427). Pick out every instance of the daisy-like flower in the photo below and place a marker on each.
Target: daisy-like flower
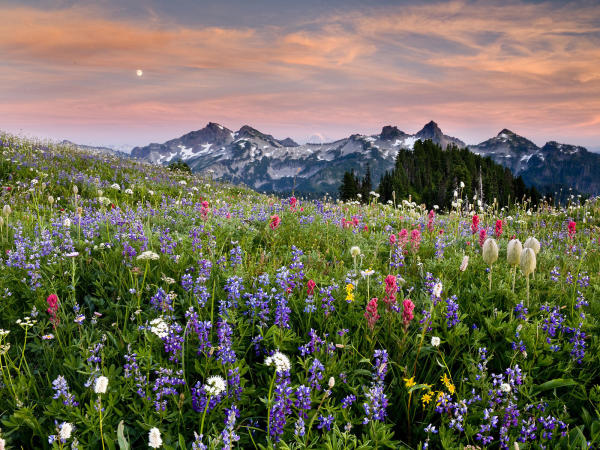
(159, 327)
(367, 273)
(154, 439)
(79, 319)
(435, 341)
(148, 255)
(48, 337)
(215, 385)
(280, 361)
(101, 385)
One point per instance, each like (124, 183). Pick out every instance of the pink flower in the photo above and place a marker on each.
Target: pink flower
(205, 204)
(293, 202)
(407, 313)
(482, 236)
(310, 287)
(475, 224)
(371, 314)
(390, 291)
(498, 230)
(403, 237)
(52, 301)
(415, 240)
(430, 221)
(275, 221)
(572, 229)
(392, 239)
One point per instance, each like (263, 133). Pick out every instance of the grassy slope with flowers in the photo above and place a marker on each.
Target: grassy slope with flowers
(207, 316)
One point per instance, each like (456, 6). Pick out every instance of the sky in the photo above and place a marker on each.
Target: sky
(310, 69)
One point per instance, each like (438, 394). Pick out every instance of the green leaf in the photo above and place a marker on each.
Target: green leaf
(123, 444)
(417, 387)
(556, 383)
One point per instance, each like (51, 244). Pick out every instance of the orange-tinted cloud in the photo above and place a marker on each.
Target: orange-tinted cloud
(473, 67)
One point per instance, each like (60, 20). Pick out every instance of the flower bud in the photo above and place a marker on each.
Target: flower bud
(528, 261)
(75, 190)
(532, 243)
(490, 251)
(50, 200)
(6, 210)
(331, 382)
(513, 252)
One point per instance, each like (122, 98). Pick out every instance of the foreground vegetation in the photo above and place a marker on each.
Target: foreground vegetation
(148, 307)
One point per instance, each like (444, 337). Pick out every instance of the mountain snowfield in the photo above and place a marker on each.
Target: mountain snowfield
(267, 164)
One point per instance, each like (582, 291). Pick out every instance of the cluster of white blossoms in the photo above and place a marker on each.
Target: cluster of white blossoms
(159, 327)
(115, 186)
(148, 255)
(437, 290)
(280, 361)
(215, 385)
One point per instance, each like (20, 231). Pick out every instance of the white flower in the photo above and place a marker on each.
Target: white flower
(215, 385)
(101, 385)
(462, 185)
(355, 251)
(2, 444)
(154, 439)
(437, 290)
(505, 387)
(435, 341)
(331, 383)
(464, 263)
(183, 182)
(128, 191)
(280, 361)
(148, 255)
(65, 431)
(159, 327)
(367, 273)
(67, 223)
(104, 201)
(75, 190)
(151, 192)
(115, 186)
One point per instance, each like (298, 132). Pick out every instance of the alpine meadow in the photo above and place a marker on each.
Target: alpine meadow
(143, 305)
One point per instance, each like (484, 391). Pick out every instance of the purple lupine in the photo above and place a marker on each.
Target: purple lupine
(316, 374)
(228, 435)
(202, 330)
(161, 301)
(452, 318)
(282, 311)
(61, 390)
(173, 341)
(225, 353)
(165, 385)
(282, 404)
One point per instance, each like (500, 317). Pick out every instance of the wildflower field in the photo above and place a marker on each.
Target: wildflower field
(142, 307)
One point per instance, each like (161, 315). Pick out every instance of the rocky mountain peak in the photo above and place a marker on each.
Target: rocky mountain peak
(430, 131)
(389, 133)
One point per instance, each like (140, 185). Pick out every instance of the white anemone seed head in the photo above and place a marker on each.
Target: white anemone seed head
(528, 261)
(435, 341)
(101, 385)
(355, 251)
(65, 431)
(533, 243)
(154, 439)
(464, 263)
(280, 361)
(490, 251)
(6, 210)
(513, 252)
(215, 385)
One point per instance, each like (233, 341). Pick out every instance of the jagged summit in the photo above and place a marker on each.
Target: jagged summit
(390, 132)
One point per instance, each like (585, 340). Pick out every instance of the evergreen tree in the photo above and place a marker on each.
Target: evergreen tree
(349, 187)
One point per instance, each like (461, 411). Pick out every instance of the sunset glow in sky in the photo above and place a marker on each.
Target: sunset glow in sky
(69, 70)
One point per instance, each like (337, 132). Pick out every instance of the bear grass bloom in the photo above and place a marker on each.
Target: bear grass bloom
(148, 255)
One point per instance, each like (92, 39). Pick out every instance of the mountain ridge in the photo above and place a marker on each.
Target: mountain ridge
(264, 162)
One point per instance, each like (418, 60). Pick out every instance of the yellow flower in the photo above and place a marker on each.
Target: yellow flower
(409, 382)
(451, 388)
(427, 398)
(349, 287)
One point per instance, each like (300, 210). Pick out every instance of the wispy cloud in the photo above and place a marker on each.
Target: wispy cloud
(474, 67)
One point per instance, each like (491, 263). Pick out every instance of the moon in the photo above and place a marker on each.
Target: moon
(139, 72)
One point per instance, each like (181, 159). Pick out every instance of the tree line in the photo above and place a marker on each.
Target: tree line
(430, 175)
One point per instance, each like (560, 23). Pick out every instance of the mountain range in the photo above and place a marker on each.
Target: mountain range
(268, 164)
